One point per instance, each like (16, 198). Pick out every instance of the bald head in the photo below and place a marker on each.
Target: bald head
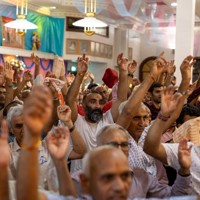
(92, 158)
(106, 177)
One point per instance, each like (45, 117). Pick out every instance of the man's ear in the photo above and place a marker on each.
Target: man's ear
(85, 183)
(150, 94)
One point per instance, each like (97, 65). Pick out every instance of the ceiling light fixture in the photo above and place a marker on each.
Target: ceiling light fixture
(21, 24)
(90, 23)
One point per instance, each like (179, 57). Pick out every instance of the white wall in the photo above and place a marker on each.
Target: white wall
(79, 35)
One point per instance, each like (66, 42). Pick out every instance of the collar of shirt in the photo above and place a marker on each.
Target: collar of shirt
(16, 147)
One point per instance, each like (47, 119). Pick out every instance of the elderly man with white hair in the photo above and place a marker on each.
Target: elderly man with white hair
(47, 170)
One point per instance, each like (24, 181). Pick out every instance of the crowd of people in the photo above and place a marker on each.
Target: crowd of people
(64, 139)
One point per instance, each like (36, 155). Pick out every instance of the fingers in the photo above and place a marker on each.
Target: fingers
(169, 90)
(63, 108)
(183, 144)
(59, 132)
(39, 100)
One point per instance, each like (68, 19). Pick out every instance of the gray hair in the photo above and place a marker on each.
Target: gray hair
(14, 112)
(104, 130)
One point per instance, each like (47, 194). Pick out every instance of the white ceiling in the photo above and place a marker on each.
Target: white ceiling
(149, 12)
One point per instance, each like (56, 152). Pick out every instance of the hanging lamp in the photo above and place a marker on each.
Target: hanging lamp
(21, 24)
(89, 22)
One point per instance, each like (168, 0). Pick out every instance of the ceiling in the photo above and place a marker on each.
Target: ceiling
(127, 14)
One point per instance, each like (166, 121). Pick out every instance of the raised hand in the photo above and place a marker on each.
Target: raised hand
(158, 66)
(171, 68)
(82, 65)
(122, 62)
(64, 113)
(169, 100)
(8, 71)
(184, 155)
(186, 67)
(91, 75)
(132, 67)
(58, 142)
(27, 76)
(35, 59)
(4, 147)
(38, 110)
(50, 75)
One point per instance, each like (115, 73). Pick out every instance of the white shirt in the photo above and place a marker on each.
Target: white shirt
(47, 172)
(138, 158)
(172, 160)
(89, 131)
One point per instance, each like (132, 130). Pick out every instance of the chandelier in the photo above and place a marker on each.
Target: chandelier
(89, 22)
(21, 24)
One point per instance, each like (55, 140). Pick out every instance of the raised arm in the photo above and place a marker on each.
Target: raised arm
(37, 112)
(79, 147)
(169, 103)
(9, 89)
(122, 86)
(57, 143)
(171, 68)
(26, 78)
(36, 61)
(185, 68)
(137, 97)
(4, 162)
(72, 94)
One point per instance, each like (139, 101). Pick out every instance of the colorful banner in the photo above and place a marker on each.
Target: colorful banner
(50, 29)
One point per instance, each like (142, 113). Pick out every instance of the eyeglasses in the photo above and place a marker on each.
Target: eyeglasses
(123, 145)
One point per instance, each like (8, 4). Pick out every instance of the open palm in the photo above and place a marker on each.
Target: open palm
(58, 142)
(184, 155)
(169, 100)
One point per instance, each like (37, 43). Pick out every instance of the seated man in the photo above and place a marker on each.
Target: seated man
(146, 186)
(47, 170)
(169, 153)
(108, 179)
(155, 93)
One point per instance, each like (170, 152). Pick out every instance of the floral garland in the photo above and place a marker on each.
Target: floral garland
(17, 64)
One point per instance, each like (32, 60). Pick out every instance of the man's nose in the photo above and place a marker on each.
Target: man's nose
(97, 105)
(118, 184)
(142, 121)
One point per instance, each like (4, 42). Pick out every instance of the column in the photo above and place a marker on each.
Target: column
(120, 43)
(185, 20)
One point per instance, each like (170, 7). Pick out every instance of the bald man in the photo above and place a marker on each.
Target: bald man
(106, 177)
(144, 186)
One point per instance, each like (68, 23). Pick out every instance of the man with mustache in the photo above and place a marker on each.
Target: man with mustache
(93, 103)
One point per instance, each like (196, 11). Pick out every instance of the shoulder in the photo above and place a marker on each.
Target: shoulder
(52, 196)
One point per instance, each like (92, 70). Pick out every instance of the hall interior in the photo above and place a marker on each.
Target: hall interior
(141, 29)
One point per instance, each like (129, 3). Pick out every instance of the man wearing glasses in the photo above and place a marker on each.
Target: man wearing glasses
(143, 185)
